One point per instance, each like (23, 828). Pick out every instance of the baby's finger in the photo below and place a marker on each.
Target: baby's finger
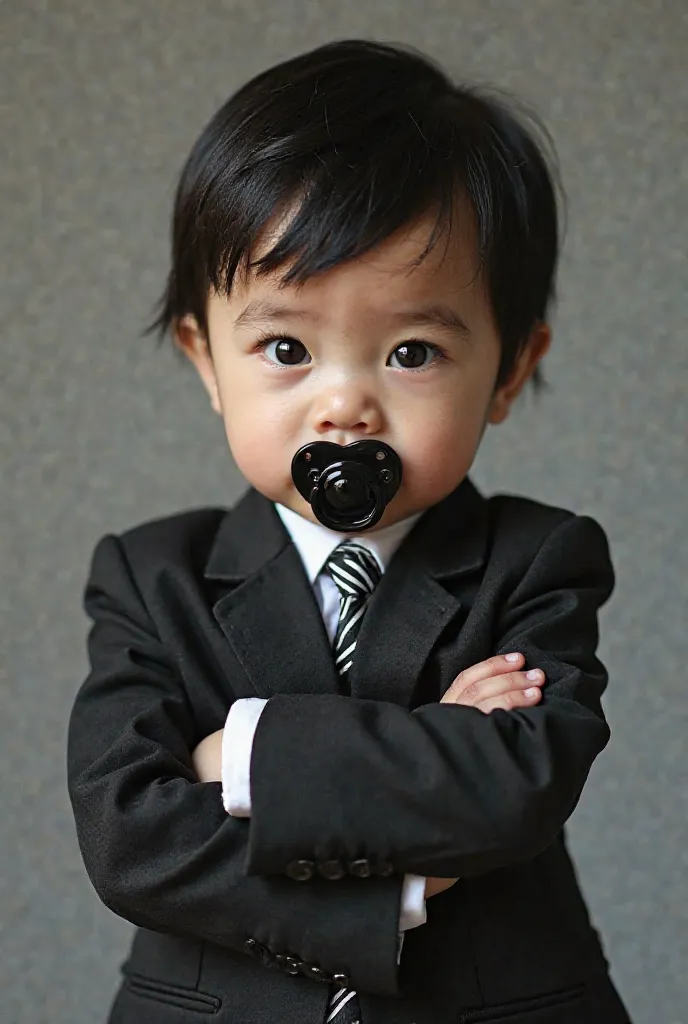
(470, 677)
(497, 686)
(527, 698)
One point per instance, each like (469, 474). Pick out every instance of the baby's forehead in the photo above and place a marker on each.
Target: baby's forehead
(400, 268)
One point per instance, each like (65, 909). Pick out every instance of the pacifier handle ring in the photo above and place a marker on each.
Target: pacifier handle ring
(317, 500)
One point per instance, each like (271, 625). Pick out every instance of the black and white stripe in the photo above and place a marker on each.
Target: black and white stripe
(343, 1003)
(356, 572)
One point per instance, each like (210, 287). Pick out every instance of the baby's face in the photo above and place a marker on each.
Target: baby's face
(357, 360)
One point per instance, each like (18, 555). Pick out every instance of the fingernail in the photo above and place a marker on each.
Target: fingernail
(531, 691)
(535, 673)
(512, 657)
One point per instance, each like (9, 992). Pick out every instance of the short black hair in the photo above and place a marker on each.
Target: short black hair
(366, 136)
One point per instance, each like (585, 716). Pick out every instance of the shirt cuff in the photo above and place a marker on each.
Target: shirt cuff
(237, 743)
(413, 912)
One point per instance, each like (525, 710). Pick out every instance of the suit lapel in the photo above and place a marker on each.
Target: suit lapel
(269, 614)
(270, 617)
(411, 606)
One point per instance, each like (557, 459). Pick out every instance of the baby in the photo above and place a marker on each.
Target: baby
(331, 736)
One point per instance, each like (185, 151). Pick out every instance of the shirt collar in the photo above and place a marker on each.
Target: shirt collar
(315, 542)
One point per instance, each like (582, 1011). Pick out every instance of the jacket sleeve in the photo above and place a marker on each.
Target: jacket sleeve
(157, 844)
(237, 739)
(447, 790)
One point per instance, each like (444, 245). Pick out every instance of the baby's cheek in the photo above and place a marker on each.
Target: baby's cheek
(429, 480)
(436, 463)
(260, 454)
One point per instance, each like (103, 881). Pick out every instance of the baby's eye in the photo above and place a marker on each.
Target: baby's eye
(411, 355)
(287, 351)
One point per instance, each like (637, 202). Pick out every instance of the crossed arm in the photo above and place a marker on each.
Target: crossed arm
(499, 682)
(449, 790)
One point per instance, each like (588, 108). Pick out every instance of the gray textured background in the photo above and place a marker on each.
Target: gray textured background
(100, 105)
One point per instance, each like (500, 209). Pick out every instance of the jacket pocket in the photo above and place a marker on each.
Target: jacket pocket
(172, 995)
(523, 1011)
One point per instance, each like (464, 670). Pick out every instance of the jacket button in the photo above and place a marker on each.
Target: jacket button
(341, 979)
(360, 868)
(383, 869)
(258, 950)
(316, 973)
(332, 869)
(300, 870)
(288, 964)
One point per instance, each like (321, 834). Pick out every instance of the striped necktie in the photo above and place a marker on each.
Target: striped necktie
(356, 573)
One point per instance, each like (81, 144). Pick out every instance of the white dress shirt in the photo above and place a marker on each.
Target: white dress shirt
(315, 543)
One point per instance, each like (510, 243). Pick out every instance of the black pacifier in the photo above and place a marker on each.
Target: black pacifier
(347, 486)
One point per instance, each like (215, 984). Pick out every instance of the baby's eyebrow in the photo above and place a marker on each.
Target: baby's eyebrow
(259, 310)
(436, 314)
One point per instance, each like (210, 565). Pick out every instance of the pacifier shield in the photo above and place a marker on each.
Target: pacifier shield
(347, 486)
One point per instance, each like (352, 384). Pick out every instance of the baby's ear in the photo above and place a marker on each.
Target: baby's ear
(506, 394)
(193, 342)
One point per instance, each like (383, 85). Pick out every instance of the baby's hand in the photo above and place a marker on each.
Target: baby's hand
(496, 683)
(207, 758)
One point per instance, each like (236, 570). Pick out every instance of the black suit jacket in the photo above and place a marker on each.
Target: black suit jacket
(194, 611)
